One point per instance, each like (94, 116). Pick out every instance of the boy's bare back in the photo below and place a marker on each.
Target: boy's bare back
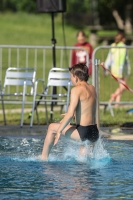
(86, 106)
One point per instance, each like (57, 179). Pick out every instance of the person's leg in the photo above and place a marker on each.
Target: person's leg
(121, 90)
(69, 131)
(113, 96)
(118, 93)
(118, 98)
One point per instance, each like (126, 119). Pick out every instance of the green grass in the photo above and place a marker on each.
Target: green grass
(107, 33)
(120, 117)
(14, 118)
(106, 119)
(31, 29)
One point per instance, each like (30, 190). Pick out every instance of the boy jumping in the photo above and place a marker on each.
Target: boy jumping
(82, 107)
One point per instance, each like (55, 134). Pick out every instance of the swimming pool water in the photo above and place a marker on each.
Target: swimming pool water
(108, 175)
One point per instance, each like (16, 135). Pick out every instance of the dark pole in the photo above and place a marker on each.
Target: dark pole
(53, 40)
(54, 65)
(54, 58)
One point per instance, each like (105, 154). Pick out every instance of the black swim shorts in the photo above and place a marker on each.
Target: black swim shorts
(88, 132)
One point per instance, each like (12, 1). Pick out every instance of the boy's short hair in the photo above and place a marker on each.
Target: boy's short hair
(80, 70)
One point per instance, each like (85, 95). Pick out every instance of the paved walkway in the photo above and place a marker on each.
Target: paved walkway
(117, 133)
(37, 131)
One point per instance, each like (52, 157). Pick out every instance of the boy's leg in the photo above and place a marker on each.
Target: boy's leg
(83, 151)
(87, 150)
(49, 140)
(69, 131)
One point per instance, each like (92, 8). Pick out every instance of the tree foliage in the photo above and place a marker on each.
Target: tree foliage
(81, 12)
(78, 6)
(21, 5)
(105, 9)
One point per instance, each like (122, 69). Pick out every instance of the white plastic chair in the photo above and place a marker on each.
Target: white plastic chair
(15, 85)
(59, 78)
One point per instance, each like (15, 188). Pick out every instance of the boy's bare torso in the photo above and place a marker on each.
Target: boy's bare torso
(86, 108)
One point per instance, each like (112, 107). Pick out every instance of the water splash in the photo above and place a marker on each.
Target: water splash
(27, 149)
(24, 142)
(96, 156)
(99, 151)
(26, 159)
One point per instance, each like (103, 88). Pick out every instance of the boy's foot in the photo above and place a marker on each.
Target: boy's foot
(40, 157)
(83, 151)
(86, 151)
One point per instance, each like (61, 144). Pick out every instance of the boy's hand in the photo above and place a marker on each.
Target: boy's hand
(63, 114)
(57, 138)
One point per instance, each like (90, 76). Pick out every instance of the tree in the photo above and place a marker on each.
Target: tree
(15, 5)
(82, 13)
(116, 14)
(108, 13)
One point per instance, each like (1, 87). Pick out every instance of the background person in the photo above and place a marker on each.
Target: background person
(118, 61)
(79, 56)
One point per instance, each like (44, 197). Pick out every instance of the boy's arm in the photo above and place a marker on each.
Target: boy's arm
(69, 115)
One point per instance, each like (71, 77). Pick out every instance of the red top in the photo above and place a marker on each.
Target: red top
(79, 56)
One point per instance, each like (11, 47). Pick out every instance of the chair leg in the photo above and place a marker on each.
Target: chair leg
(105, 108)
(32, 115)
(33, 105)
(3, 109)
(51, 112)
(22, 113)
(111, 109)
(61, 109)
(37, 116)
(2, 102)
(45, 104)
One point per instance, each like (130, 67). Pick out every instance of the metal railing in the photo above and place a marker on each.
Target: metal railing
(104, 82)
(37, 57)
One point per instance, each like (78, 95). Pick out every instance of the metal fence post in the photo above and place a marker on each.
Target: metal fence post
(97, 91)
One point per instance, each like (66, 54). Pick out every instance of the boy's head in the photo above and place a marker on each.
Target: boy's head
(80, 70)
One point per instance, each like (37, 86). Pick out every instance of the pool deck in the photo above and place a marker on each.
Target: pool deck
(117, 134)
(108, 133)
(39, 131)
